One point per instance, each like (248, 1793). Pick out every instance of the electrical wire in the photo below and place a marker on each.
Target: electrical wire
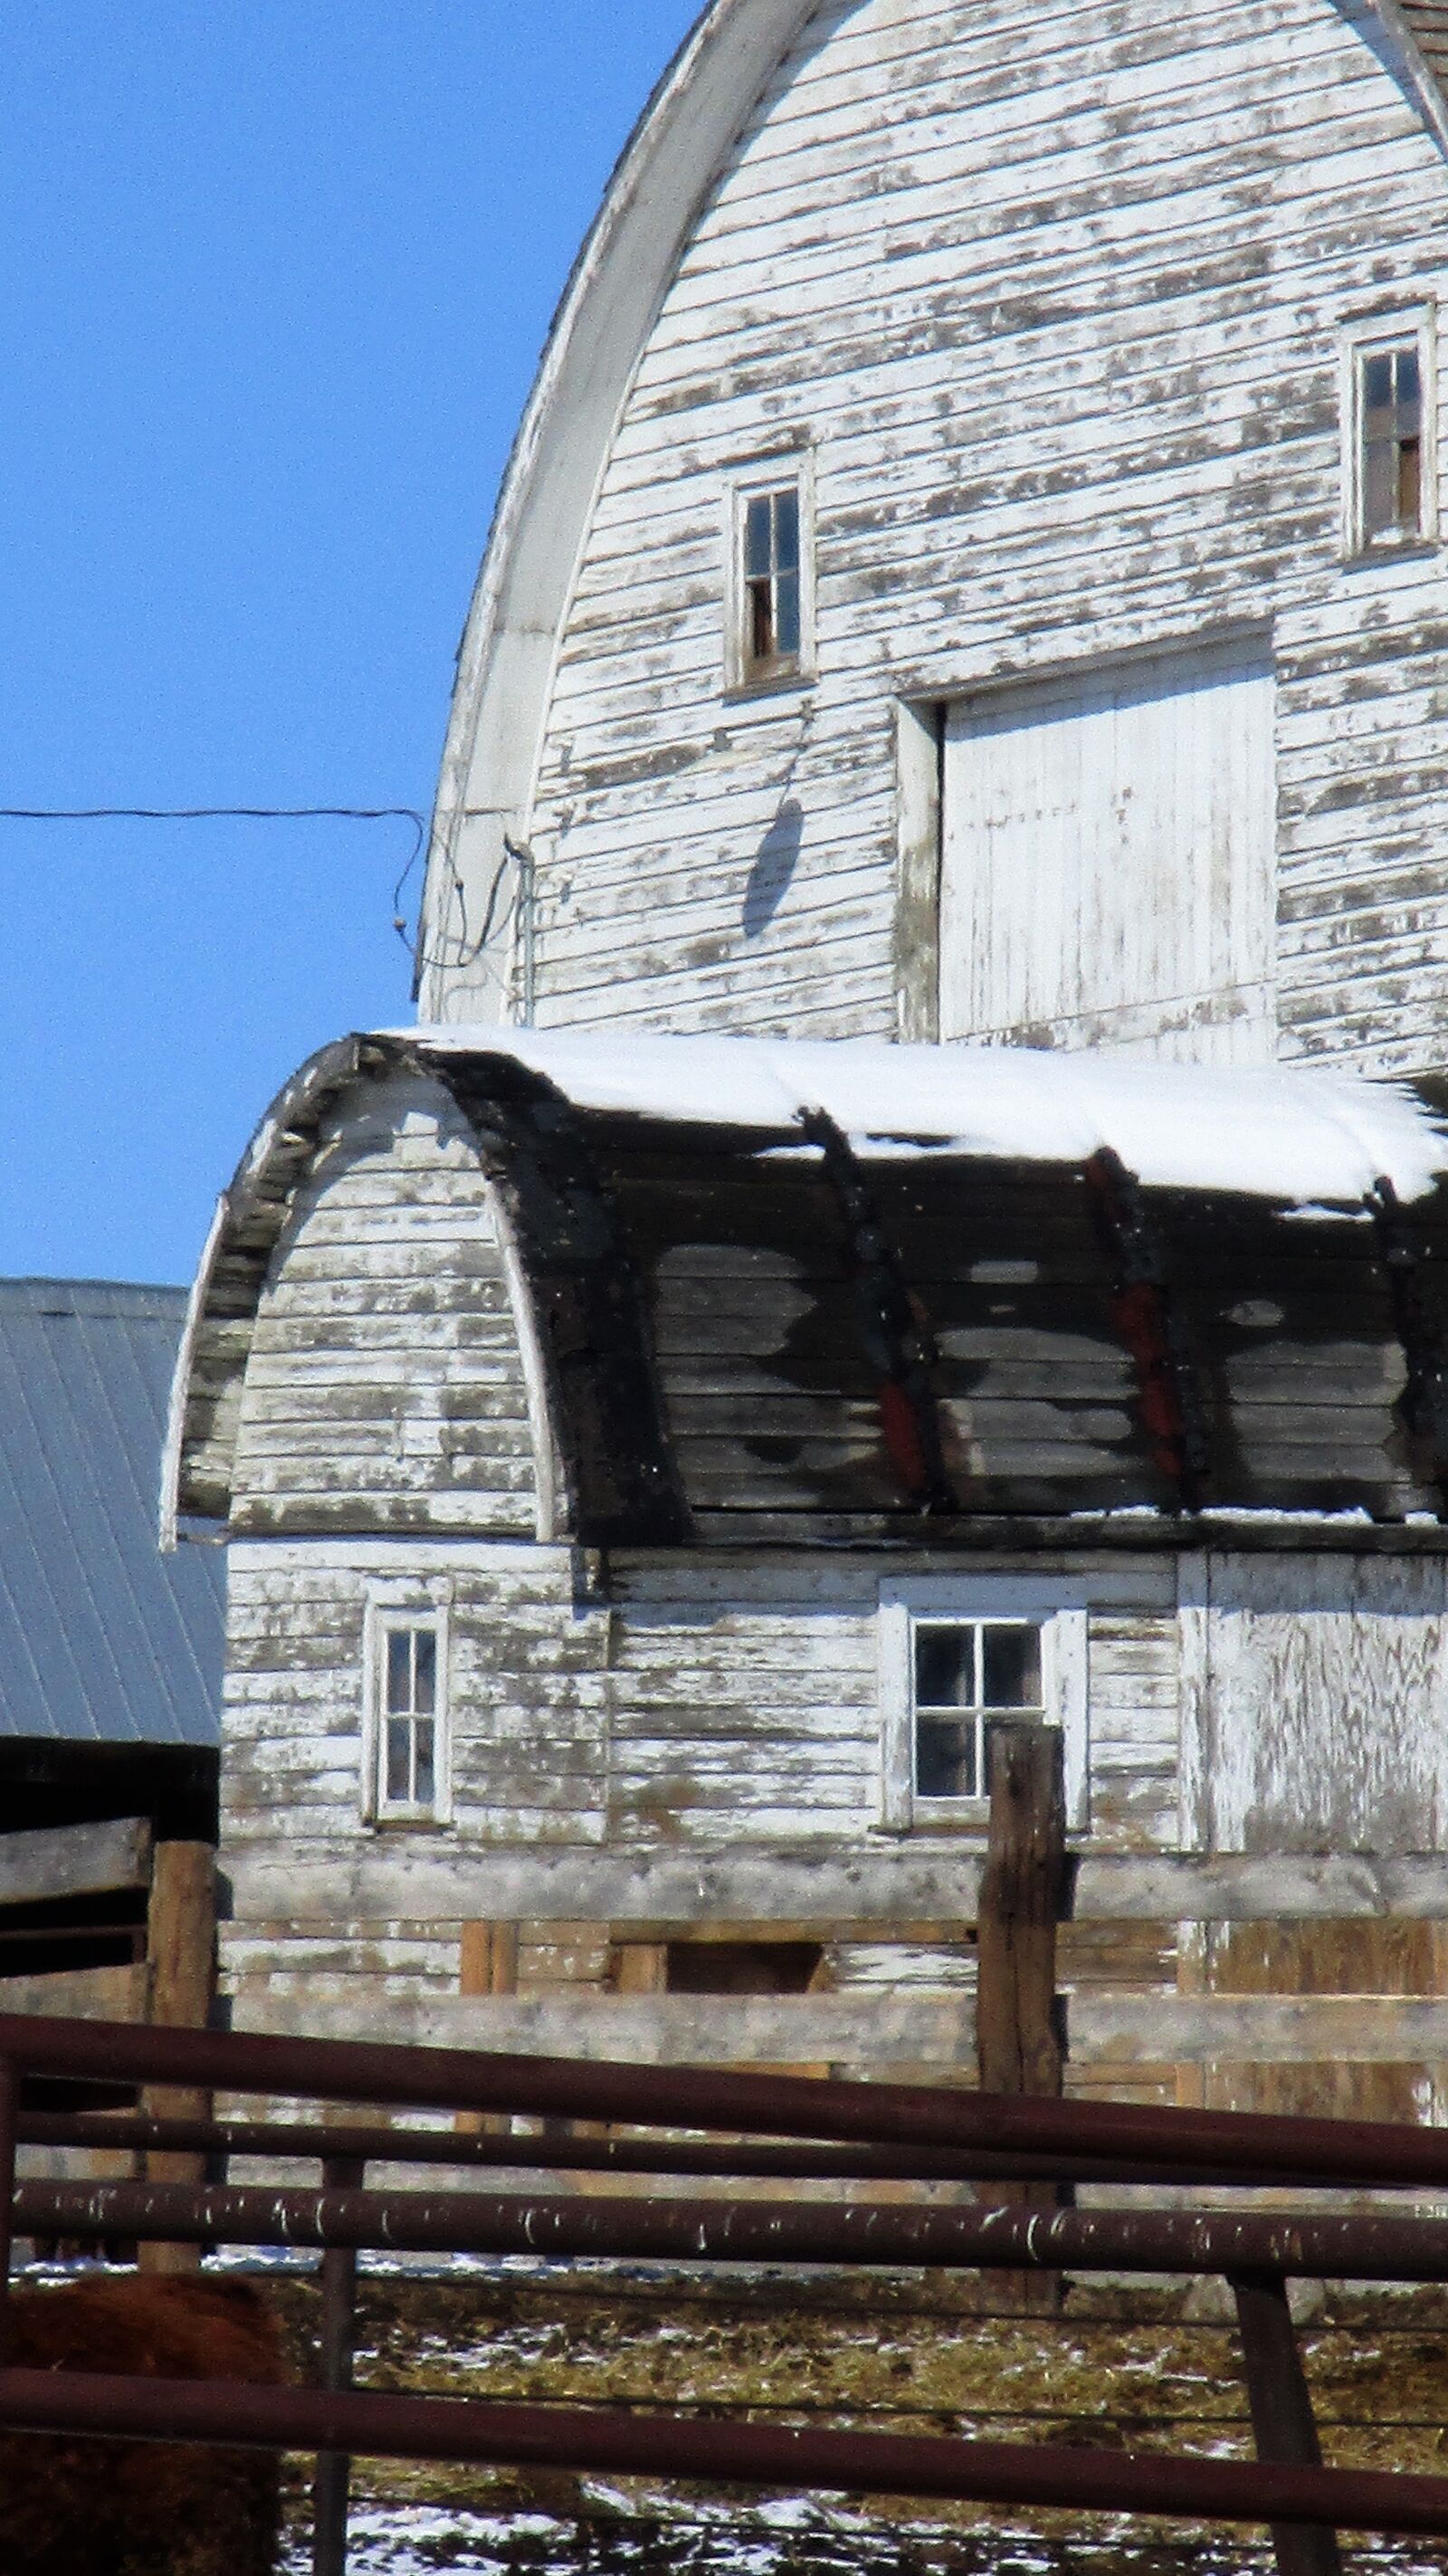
(422, 842)
(215, 814)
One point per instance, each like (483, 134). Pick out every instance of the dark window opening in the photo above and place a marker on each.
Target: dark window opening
(1391, 394)
(772, 627)
(970, 1673)
(409, 1723)
(744, 1967)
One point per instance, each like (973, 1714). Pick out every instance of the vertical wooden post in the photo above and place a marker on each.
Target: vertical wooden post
(1018, 2026)
(9, 2113)
(331, 2492)
(1283, 2424)
(181, 1956)
(487, 1965)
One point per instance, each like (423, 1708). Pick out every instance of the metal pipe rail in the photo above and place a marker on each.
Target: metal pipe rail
(754, 2455)
(319, 2142)
(732, 2231)
(835, 2128)
(1362, 2154)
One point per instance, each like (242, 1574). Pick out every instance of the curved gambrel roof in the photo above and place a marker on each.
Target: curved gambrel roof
(698, 111)
(852, 1293)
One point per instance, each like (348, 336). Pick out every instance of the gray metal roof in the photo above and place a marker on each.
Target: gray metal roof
(102, 1638)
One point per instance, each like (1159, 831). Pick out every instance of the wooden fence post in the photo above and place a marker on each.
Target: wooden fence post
(181, 1956)
(1283, 2424)
(332, 2487)
(1018, 2021)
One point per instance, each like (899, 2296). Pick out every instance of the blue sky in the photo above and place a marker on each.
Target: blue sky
(275, 280)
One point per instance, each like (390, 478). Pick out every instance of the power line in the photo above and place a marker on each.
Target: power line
(467, 949)
(242, 814)
(215, 814)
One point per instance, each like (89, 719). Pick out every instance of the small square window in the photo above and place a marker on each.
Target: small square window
(771, 581)
(960, 1657)
(408, 1720)
(1391, 483)
(968, 1675)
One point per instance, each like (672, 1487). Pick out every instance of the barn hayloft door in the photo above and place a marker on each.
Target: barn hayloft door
(1109, 862)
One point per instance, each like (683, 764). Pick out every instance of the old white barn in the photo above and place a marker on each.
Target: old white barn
(1080, 362)
(970, 571)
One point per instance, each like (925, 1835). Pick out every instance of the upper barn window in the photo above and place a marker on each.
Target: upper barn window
(771, 587)
(1391, 496)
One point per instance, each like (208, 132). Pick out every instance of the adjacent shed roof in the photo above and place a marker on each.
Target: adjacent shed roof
(785, 1290)
(102, 1639)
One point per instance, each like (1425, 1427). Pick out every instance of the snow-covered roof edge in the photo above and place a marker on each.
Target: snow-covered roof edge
(1273, 1132)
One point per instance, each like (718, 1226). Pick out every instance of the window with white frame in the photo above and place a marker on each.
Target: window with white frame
(956, 1661)
(408, 1750)
(771, 588)
(969, 1674)
(1389, 402)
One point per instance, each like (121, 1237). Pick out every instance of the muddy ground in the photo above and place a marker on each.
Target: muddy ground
(1135, 2369)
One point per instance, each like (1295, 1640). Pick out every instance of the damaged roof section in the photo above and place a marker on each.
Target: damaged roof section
(859, 1291)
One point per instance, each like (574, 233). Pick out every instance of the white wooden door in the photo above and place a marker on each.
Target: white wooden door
(1109, 862)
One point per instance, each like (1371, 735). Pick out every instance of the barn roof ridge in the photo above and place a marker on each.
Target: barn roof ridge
(40, 1295)
(697, 110)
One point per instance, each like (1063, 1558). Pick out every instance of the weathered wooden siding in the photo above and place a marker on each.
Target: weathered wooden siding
(724, 1721)
(384, 1388)
(1055, 294)
(1326, 1707)
(693, 1753)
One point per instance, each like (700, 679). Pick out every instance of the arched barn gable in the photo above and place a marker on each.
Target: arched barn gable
(1052, 316)
(355, 1358)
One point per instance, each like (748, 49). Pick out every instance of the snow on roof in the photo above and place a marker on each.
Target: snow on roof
(1294, 1135)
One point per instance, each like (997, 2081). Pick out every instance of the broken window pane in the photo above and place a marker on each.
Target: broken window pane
(1391, 431)
(772, 639)
(399, 1762)
(399, 1669)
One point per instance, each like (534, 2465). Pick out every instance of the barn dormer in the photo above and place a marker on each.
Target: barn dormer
(972, 564)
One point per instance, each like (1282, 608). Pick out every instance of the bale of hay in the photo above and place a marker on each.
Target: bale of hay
(81, 2508)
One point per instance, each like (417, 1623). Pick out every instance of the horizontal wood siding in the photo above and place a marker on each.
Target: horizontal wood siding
(691, 1750)
(1055, 295)
(384, 1388)
(703, 1748)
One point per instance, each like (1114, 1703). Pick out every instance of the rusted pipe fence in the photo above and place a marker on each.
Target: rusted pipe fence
(793, 2128)
(1358, 2154)
(751, 2455)
(721, 2230)
(318, 2142)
